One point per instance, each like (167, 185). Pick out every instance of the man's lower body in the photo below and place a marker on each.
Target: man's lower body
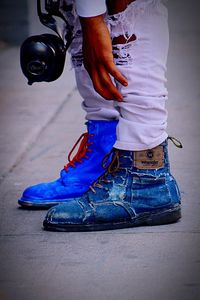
(140, 48)
(136, 186)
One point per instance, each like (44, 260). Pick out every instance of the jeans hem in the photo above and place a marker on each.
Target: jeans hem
(139, 147)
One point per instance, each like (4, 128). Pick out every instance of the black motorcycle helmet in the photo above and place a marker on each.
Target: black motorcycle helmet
(42, 57)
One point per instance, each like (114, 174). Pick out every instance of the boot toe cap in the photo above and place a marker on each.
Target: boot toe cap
(69, 213)
(43, 193)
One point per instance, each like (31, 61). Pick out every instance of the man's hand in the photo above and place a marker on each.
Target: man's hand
(98, 58)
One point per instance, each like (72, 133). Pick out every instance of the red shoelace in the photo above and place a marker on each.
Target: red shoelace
(82, 150)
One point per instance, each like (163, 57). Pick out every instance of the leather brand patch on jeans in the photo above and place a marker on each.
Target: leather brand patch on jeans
(149, 159)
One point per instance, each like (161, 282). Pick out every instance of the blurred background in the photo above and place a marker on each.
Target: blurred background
(18, 21)
(14, 21)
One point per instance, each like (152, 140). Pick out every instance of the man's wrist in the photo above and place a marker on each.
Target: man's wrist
(91, 22)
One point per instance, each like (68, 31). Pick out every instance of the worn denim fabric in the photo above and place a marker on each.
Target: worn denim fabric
(80, 173)
(124, 196)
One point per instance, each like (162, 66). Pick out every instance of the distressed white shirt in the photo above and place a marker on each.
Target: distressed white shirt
(90, 8)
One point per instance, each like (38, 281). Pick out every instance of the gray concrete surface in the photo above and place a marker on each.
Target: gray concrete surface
(39, 124)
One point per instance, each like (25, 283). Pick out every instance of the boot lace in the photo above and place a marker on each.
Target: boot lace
(111, 167)
(82, 151)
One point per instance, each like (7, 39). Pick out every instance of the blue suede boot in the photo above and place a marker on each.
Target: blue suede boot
(80, 172)
(137, 189)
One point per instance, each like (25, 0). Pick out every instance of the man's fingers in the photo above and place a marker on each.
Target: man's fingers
(108, 84)
(104, 86)
(112, 69)
(99, 88)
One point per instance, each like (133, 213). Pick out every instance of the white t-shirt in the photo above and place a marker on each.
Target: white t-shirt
(90, 8)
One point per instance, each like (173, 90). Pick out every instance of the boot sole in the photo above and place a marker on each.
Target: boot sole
(162, 217)
(31, 205)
